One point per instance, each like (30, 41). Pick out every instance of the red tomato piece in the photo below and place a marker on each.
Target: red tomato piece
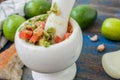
(58, 39)
(34, 38)
(66, 35)
(25, 34)
(36, 35)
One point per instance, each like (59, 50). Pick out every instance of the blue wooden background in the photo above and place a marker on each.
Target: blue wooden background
(89, 65)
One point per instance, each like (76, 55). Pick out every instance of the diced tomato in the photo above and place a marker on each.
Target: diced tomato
(36, 35)
(40, 24)
(58, 39)
(25, 34)
(34, 38)
(66, 35)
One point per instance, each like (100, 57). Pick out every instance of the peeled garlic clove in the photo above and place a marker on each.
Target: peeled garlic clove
(111, 64)
(101, 47)
(94, 38)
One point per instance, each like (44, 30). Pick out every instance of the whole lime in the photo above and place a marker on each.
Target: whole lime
(85, 15)
(36, 7)
(11, 24)
(111, 29)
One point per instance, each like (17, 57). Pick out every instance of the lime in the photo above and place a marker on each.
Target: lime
(36, 7)
(85, 15)
(111, 29)
(11, 24)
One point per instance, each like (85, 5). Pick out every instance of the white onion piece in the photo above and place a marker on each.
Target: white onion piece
(111, 64)
(60, 22)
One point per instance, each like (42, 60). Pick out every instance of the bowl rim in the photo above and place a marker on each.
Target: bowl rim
(72, 22)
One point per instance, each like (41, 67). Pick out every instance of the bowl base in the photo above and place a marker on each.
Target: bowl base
(67, 74)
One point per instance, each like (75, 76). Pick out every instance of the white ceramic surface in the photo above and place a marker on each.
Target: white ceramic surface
(55, 58)
(67, 74)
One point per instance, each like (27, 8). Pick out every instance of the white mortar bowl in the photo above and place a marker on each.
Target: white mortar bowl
(54, 58)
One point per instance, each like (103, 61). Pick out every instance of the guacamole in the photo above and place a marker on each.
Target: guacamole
(34, 33)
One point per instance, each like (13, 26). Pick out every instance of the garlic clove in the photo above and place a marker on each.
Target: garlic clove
(94, 38)
(101, 47)
(111, 64)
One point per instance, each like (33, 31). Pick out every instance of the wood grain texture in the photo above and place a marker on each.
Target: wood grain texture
(89, 65)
